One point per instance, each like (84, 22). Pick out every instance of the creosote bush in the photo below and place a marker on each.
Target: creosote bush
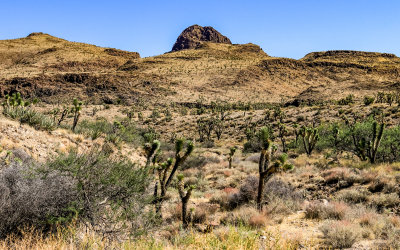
(110, 192)
(340, 234)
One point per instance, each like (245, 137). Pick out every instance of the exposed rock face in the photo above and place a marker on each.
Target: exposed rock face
(194, 35)
(346, 54)
(118, 52)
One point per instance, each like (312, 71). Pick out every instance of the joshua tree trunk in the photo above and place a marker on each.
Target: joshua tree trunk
(185, 220)
(260, 192)
(76, 118)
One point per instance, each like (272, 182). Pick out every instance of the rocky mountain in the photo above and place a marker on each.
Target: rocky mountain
(195, 35)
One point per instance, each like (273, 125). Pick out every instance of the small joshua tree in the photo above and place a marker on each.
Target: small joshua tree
(151, 150)
(278, 114)
(166, 175)
(205, 127)
(63, 114)
(282, 133)
(232, 152)
(184, 194)
(76, 110)
(219, 127)
(310, 137)
(296, 132)
(268, 165)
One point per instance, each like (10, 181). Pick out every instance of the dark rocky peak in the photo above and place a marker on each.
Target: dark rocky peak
(194, 35)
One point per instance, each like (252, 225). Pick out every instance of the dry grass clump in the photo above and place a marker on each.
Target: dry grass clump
(279, 196)
(258, 221)
(221, 238)
(383, 184)
(336, 175)
(244, 216)
(340, 234)
(354, 196)
(221, 198)
(381, 201)
(367, 176)
(330, 210)
(203, 211)
(368, 219)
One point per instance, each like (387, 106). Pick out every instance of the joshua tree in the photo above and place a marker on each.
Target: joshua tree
(205, 127)
(310, 137)
(221, 108)
(278, 114)
(151, 150)
(185, 196)
(63, 115)
(76, 110)
(218, 127)
(296, 132)
(390, 98)
(366, 148)
(266, 167)
(282, 133)
(232, 151)
(165, 176)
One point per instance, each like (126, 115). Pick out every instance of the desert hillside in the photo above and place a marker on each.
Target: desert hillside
(55, 69)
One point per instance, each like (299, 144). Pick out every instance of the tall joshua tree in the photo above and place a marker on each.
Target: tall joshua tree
(310, 137)
(166, 174)
(268, 164)
(232, 152)
(367, 148)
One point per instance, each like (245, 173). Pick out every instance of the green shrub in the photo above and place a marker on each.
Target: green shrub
(117, 132)
(347, 100)
(29, 116)
(110, 192)
(368, 100)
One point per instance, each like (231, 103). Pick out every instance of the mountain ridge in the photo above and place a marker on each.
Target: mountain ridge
(55, 69)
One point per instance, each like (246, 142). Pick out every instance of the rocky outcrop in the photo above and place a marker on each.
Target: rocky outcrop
(193, 36)
(347, 54)
(123, 53)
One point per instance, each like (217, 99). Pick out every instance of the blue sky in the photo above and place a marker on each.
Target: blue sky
(286, 28)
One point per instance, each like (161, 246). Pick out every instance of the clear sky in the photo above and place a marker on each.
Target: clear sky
(285, 28)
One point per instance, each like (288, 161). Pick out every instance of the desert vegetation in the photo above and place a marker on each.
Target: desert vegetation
(324, 175)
